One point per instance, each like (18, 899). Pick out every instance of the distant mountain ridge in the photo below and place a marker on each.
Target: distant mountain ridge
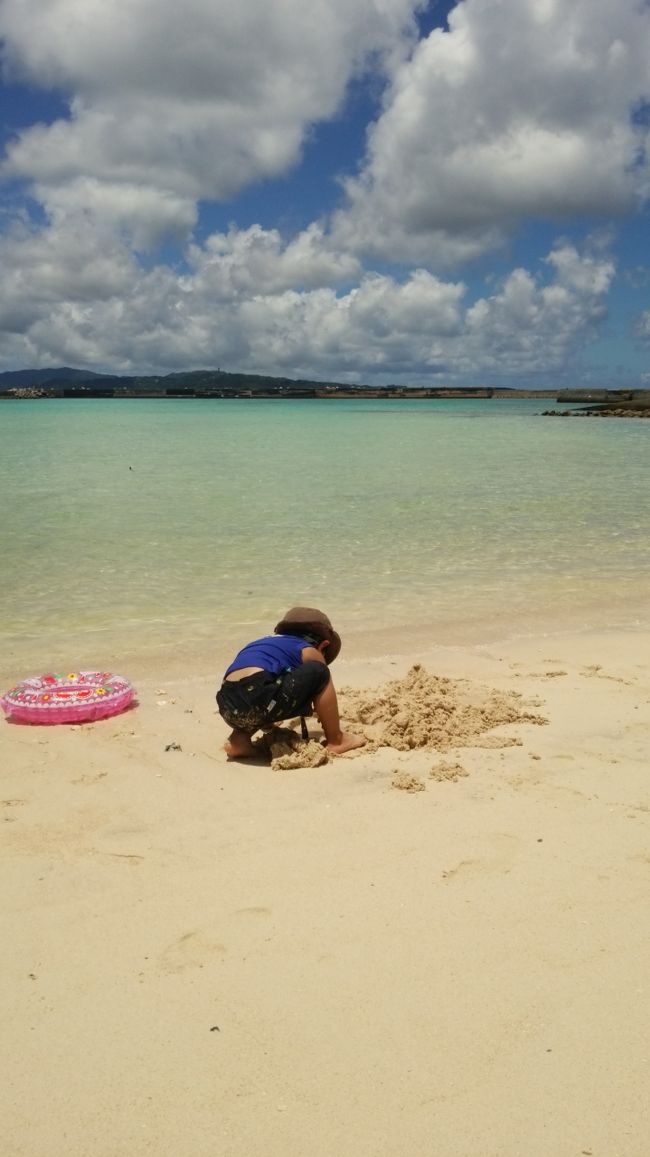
(67, 376)
(18, 378)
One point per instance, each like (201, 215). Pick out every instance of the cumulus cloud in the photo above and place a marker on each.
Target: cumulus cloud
(521, 109)
(71, 262)
(69, 296)
(192, 101)
(258, 261)
(535, 326)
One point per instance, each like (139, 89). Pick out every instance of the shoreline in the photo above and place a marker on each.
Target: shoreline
(173, 650)
(198, 950)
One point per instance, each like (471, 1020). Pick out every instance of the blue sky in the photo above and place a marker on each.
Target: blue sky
(353, 190)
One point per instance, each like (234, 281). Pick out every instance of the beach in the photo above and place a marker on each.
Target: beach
(331, 322)
(435, 945)
(415, 951)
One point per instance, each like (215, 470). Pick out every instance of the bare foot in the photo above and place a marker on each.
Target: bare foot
(239, 745)
(347, 742)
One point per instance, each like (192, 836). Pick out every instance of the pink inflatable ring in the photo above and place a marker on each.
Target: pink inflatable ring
(78, 697)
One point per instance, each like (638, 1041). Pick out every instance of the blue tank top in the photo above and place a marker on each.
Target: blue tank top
(274, 653)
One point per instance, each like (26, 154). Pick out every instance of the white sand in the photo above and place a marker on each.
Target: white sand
(202, 958)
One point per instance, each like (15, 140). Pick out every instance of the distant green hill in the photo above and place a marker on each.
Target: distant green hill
(12, 379)
(67, 382)
(200, 381)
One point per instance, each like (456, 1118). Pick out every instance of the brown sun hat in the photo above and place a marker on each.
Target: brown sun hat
(309, 621)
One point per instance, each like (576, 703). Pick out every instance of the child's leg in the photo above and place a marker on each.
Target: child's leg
(242, 706)
(327, 710)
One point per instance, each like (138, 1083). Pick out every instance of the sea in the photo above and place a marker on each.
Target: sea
(174, 530)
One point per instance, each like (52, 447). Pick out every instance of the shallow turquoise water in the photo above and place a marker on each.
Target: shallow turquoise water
(182, 522)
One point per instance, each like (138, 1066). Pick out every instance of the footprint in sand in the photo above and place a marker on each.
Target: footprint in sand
(461, 868)
(499, 860)
(90, 777)
(191, 950)
(595, 671)
(7, 817)
(64, 840)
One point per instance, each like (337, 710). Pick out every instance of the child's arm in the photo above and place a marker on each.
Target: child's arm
(336, 740)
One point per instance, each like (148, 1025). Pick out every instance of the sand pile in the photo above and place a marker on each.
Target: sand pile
(419, 711)
(447, 772)
(405, 782)
(428, 711)
(444, 772)
(288, 750)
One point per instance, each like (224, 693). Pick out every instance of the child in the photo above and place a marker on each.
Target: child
(282, 675)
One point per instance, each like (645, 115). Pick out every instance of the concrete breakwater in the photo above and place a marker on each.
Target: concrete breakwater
(635, 406)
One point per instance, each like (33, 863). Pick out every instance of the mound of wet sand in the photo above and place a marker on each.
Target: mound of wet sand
(419, 711)
(429, 711)
(405, 782)
(288, 750)
(447, 772)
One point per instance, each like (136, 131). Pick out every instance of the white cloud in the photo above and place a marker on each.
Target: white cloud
(194, 100)
(524, 108)
(70, 262)
(257, 261)
(145, 215)
(378, 327)
(530, 326)
(70, 295)
(521, 110)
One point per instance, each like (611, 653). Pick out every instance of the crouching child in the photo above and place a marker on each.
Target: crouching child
(283, 675)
